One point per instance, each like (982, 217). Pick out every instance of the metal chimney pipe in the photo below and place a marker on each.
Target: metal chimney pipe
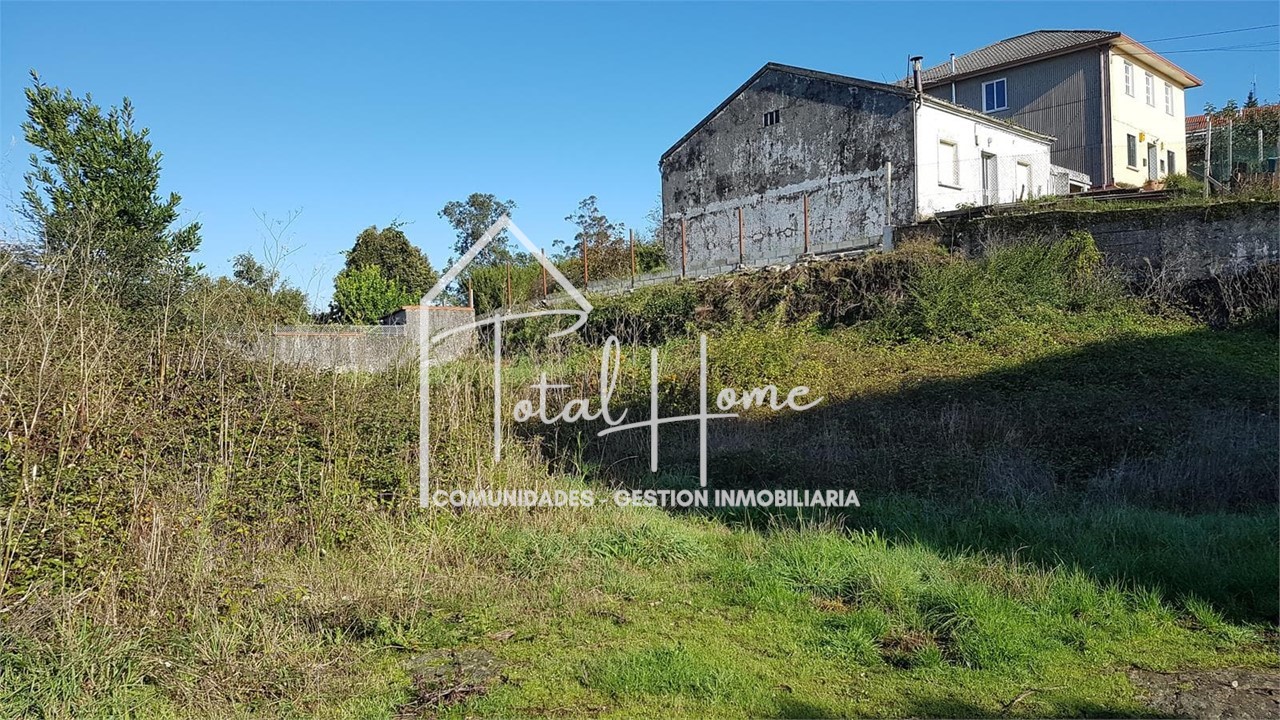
(915, 74)
(953, 63)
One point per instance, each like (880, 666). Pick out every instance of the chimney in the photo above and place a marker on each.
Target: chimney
(915, 74)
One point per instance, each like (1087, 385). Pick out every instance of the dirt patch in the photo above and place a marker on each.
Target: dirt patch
(1211, 693)
(447, 677)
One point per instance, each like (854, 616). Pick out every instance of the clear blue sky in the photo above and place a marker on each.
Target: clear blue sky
(364, 113)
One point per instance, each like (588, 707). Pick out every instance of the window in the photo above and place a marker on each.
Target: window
(1151, 90)
(1128, 79)
(1173, 164)
(948, 163)
(1168, 99)
(993, 96)
(772, 117)
(1133, 151)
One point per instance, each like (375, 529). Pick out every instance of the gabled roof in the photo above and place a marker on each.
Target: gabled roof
(792, 70)
(1043, 44)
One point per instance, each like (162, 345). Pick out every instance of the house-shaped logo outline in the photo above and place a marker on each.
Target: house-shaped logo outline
(426, 340)
(505, 223)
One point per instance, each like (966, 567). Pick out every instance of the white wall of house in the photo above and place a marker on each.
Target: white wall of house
(1157, 127)
(954, 145)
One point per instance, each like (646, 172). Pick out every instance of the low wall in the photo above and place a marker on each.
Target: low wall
(1183, 243)
(368, 348)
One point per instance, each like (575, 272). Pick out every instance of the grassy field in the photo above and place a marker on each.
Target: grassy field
(1060, 483)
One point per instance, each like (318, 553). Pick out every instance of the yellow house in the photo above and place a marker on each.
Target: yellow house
(1115, 107)
(1148, 115)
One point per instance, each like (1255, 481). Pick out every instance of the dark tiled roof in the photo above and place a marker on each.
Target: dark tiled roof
(1015, 49)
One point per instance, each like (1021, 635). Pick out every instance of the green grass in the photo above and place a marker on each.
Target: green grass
(1058, 485)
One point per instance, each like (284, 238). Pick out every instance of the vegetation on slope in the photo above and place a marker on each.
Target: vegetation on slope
(1060, 482)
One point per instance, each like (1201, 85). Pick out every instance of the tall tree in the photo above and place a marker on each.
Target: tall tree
(470, 219)
(92, 193)
(604, 241)
(391, 252)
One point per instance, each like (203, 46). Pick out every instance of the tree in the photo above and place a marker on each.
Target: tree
(608, 254)
(470, 219)
(92, 193)
(391, 252)
(363, 295)
(253, 274)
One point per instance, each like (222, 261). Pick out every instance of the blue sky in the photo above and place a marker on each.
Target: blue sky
(354, 114)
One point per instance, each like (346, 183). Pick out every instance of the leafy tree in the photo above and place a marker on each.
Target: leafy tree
(253, 274)
(470, 219)
(363, 295)
(391, 252)
(92, 193)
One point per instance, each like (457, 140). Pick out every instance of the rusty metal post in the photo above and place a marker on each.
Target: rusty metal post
(586, 276)
(741, 255)
(471, 296)
(510, 296)
(632, 235)
(806, 223)
(544, 272)
(684, 249)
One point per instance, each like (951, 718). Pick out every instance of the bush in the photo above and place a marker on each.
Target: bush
(1180, 184)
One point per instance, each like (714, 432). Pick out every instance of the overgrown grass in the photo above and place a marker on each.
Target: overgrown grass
(1057, 485)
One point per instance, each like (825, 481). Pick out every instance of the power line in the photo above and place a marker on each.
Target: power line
(1220, 32)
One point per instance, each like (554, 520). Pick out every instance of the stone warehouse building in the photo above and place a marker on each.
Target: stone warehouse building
(799, 161)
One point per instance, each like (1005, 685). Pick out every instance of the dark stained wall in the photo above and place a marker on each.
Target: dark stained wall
(830, 145)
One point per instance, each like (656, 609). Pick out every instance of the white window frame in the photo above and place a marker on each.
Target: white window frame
(1151, 89)
(1168, 99)
(1131, 151)
(1003, 81)
(1128, 78)
(949, 154)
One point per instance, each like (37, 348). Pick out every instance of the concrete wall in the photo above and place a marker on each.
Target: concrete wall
(1182, 243)
(442, 319)
(830, 145)
(967, 138)
(366, 348)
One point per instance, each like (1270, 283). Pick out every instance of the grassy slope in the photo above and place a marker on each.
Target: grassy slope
(953, 600)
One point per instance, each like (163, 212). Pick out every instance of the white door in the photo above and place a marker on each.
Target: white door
(1026, 190)
(990, 180)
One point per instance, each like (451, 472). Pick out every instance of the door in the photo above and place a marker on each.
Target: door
(1025, 189)
(990, 181)
(1152, 171)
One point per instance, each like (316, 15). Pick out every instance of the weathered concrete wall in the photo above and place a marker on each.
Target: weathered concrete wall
(831, 143)
(441, 319)
(367, 348)
(1182, 243)
(347, 348)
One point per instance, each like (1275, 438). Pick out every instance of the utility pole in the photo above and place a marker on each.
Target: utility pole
(586, 277)
(510, 298)
(1208, 155)
(543, 265)
(632, 235)
(1231, 141)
